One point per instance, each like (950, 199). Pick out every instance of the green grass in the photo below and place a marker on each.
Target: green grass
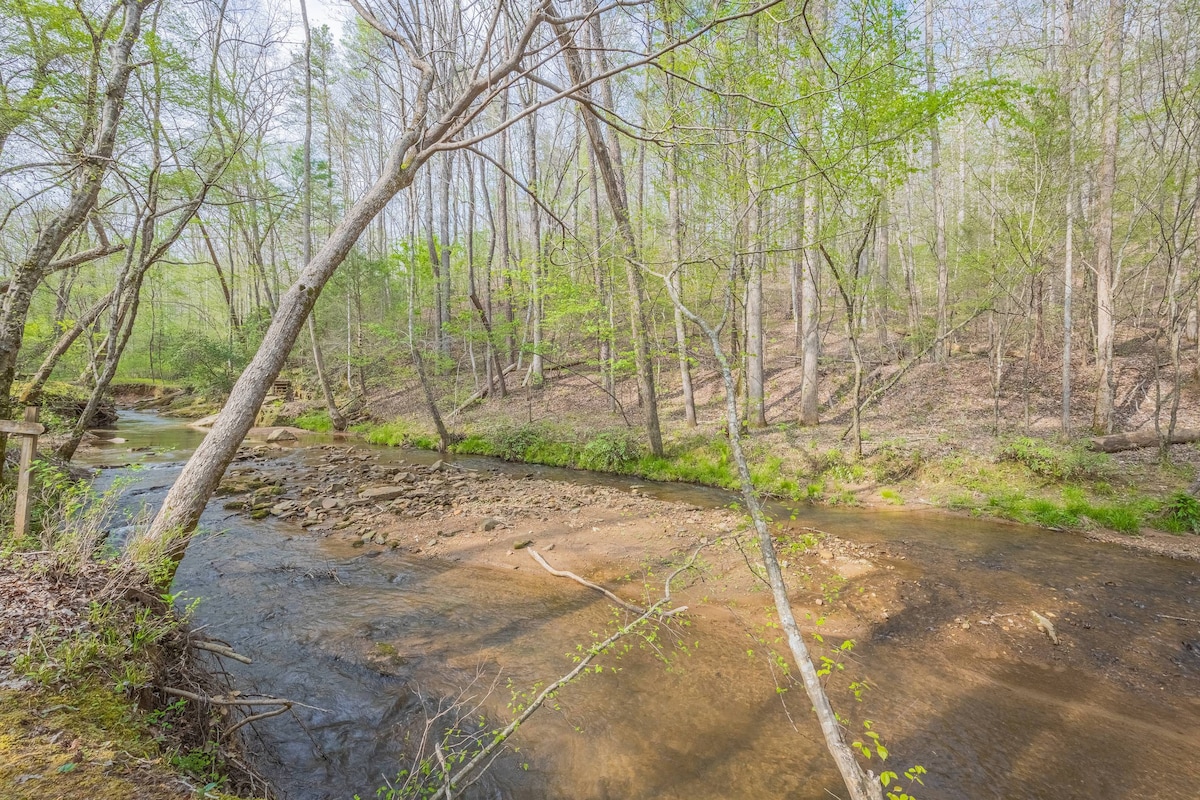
(317, 421)
(1053, 462)
(1071, 511)
(398, 433)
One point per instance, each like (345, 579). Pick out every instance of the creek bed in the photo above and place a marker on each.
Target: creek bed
(373, 639)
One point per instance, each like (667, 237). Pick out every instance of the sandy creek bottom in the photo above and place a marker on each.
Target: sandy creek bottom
(373, 639)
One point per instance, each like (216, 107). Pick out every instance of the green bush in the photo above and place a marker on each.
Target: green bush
(610, 452)
(209, 363)
(1180, 514)
(1120, 518)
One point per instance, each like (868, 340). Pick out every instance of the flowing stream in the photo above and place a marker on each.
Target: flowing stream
(373, 642)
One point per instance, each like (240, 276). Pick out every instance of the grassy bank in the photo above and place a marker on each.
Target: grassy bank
(89, 643)
(1027, 480)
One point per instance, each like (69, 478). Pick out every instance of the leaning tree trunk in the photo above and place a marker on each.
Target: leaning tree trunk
(185, 502)
(861, 785)
(33, 392)
(430, 401)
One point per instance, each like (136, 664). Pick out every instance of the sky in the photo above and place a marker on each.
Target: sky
(320, 12)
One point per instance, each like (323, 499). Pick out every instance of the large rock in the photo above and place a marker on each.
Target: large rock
(382, 493)
(281, 435)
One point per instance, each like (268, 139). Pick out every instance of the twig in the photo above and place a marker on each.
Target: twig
(218, 700)
(221, 650)
(502, 736)
(1178, 619)
(256, 717)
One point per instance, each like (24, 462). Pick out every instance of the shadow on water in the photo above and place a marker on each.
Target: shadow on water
(371, 640)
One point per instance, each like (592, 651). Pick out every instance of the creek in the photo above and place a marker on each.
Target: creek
(373, 640)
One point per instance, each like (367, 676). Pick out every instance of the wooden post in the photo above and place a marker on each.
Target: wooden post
(28, 429)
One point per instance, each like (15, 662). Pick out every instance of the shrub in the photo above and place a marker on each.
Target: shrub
(1180, 514)
(1120, 518)
(610, 452)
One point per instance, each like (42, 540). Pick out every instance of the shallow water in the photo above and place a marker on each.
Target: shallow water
(373, 641)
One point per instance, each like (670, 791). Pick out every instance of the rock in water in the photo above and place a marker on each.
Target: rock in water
(281, 435)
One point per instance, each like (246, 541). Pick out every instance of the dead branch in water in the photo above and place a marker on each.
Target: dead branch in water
(458, 778)
(562, 573)
(220, 649)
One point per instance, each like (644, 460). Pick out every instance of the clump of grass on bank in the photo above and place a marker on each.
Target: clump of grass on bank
(316, 421)
(82, 707)
(1069, 511)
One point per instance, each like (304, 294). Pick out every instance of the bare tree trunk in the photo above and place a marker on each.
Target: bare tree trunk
(435, 259)
(614, 186)
(883, 263)
(810, 313)
(942, 351)
(430, 403)
(443, 337)
(908, 255)
(681, 339)
(810, 300)
(850, 289)
(535, 266)
(335, 415)
(1069, 243)
(234, 324)
(756, 416)
(505, 238)
(1102, 418)
(485, 318)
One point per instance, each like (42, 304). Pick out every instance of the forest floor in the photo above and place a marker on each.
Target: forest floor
(938, 439)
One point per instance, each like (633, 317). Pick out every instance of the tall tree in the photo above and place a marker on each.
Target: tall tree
(1106, 177)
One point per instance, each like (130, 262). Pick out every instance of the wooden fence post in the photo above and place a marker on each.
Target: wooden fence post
(28, 429)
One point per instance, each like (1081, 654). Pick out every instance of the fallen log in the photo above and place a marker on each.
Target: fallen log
(1117, 442)
(482, 393)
